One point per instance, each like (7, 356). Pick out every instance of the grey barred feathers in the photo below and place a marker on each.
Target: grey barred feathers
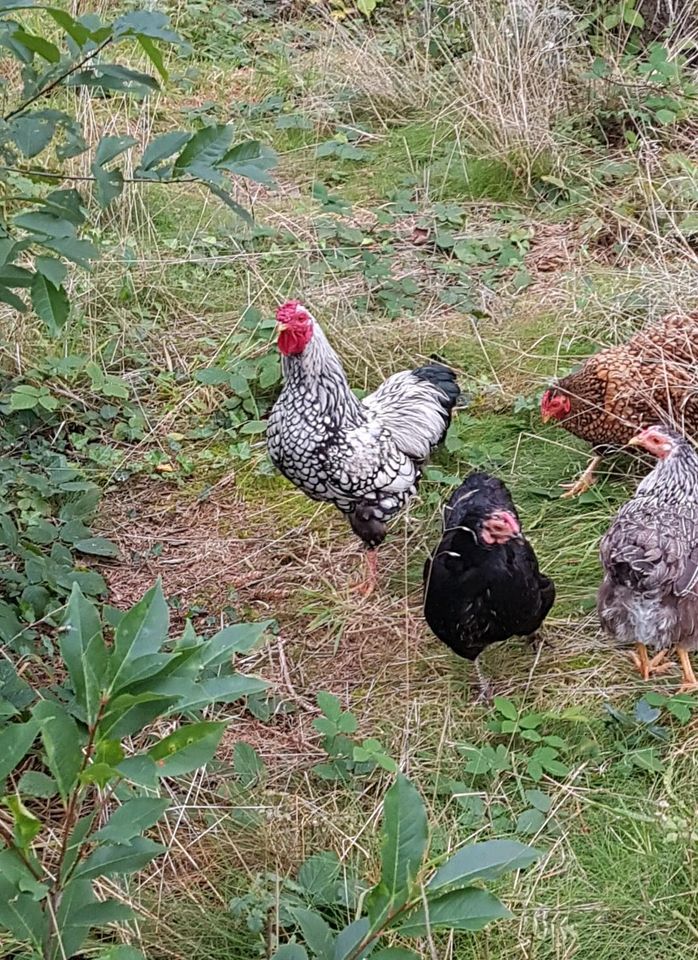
(364, 457)
(649, 593)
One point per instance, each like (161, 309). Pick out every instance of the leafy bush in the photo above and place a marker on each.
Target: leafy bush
(47, 227)
(411, 899)
(70, 746)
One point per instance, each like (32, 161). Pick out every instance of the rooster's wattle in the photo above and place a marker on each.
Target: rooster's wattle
(364, 456)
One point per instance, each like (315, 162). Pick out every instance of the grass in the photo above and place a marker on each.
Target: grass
(617, 880)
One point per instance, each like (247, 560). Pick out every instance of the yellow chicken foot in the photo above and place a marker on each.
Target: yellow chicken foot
(690, 683)
(584, 483)
(366, 587)
(647, 667)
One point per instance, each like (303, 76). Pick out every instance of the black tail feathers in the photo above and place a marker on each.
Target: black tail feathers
(443, 378)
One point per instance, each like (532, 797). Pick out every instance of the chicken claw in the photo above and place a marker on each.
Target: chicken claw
(690, 683)
(366, 587)
(647, 667)
(584, 483)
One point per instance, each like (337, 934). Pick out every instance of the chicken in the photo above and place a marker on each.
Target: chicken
(652, 378)
(482, 583)
(649, 594)
(365, 456)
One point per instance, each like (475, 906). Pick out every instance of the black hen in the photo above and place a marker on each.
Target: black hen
(482, 583)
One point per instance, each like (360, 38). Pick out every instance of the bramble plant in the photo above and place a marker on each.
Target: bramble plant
(414, 896)
(346, 757)
(70, 745)
(41, 228)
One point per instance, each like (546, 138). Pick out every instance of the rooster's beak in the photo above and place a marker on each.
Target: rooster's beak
(634, 441)
(280, 327)
(545, 416)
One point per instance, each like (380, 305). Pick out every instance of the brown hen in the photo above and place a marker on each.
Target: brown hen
(653, 378)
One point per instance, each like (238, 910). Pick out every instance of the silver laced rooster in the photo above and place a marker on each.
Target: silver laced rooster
(364, 456)
(649, 595)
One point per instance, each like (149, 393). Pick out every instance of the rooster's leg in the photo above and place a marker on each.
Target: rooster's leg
(647, 667)
(585, 482)
(368, 585)
(690, 684)
(485, 687)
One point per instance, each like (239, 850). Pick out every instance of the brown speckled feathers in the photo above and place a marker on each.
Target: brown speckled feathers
(651, 378)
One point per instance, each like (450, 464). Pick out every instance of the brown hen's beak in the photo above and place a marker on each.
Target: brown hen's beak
(634, 441)
(545, 416)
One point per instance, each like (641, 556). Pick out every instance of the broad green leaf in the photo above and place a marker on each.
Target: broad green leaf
(141, 770)
(506, 708)
(83, 651)
(76, 31)
(21, 914)
(27, 826)
(79, 251)
(249, 766)
(316, 932)
(146, 23)
(482, 861)
(291, 951)
(15, 872)
(187, 749)
(127, 713)
(62, 743)
(131, 819)
(108, 184)
(319, 875)
(197, 696)
(329, 704)
(530, 821)
(114, 76)
(467, 909)
(120, 953)
(108, 860)
(98, 547)
(230, 202)
(51, 268)
(49, 51)
(205, 147)
(154, 54)
(239, 638)
(110, 147)
(15, 742)
(143, 630)
(33, 783)
(161, 148)
(348, 939)
(405, 835)
(7, 296)
(32, 133)
(47, 224)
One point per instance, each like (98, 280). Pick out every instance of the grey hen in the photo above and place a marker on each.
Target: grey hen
(363, 456)
(649, 595)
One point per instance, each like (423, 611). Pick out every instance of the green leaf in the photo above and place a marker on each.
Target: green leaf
(329, 704)
(131, 819)
(21, 914)
(146, 23)
(249, 766)
(33, 783)
(110, 147)
(348, 939)
(108, 860)
(467, 909)
(541, 801)
(49, 51)
(291, 951)
(187, 749)
(108, 184)
(32, 133)
(7, 296)
(230, 202)
(121, 953)
(62, 744)
(142, 630)
(395, 953)
(27, 826)
(113, 76)
(319, 875)
(84, 654)
(239, 638)
(404, 844)
(79, 251)
(530, 821)
(161, 148)
(15, 742)
(316, 932)
(141, 770)
(506, 708)
(665, 116)
(76, 31)
(77, 839)
(54, 271)
(633, 18)
(481, 861)
(205, 147)
(154, 54)
(97, 547)
(46, 224)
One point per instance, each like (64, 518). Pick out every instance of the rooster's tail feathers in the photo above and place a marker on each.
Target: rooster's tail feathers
(444, 379)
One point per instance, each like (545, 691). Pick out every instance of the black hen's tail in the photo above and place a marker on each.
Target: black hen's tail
(443, 378)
